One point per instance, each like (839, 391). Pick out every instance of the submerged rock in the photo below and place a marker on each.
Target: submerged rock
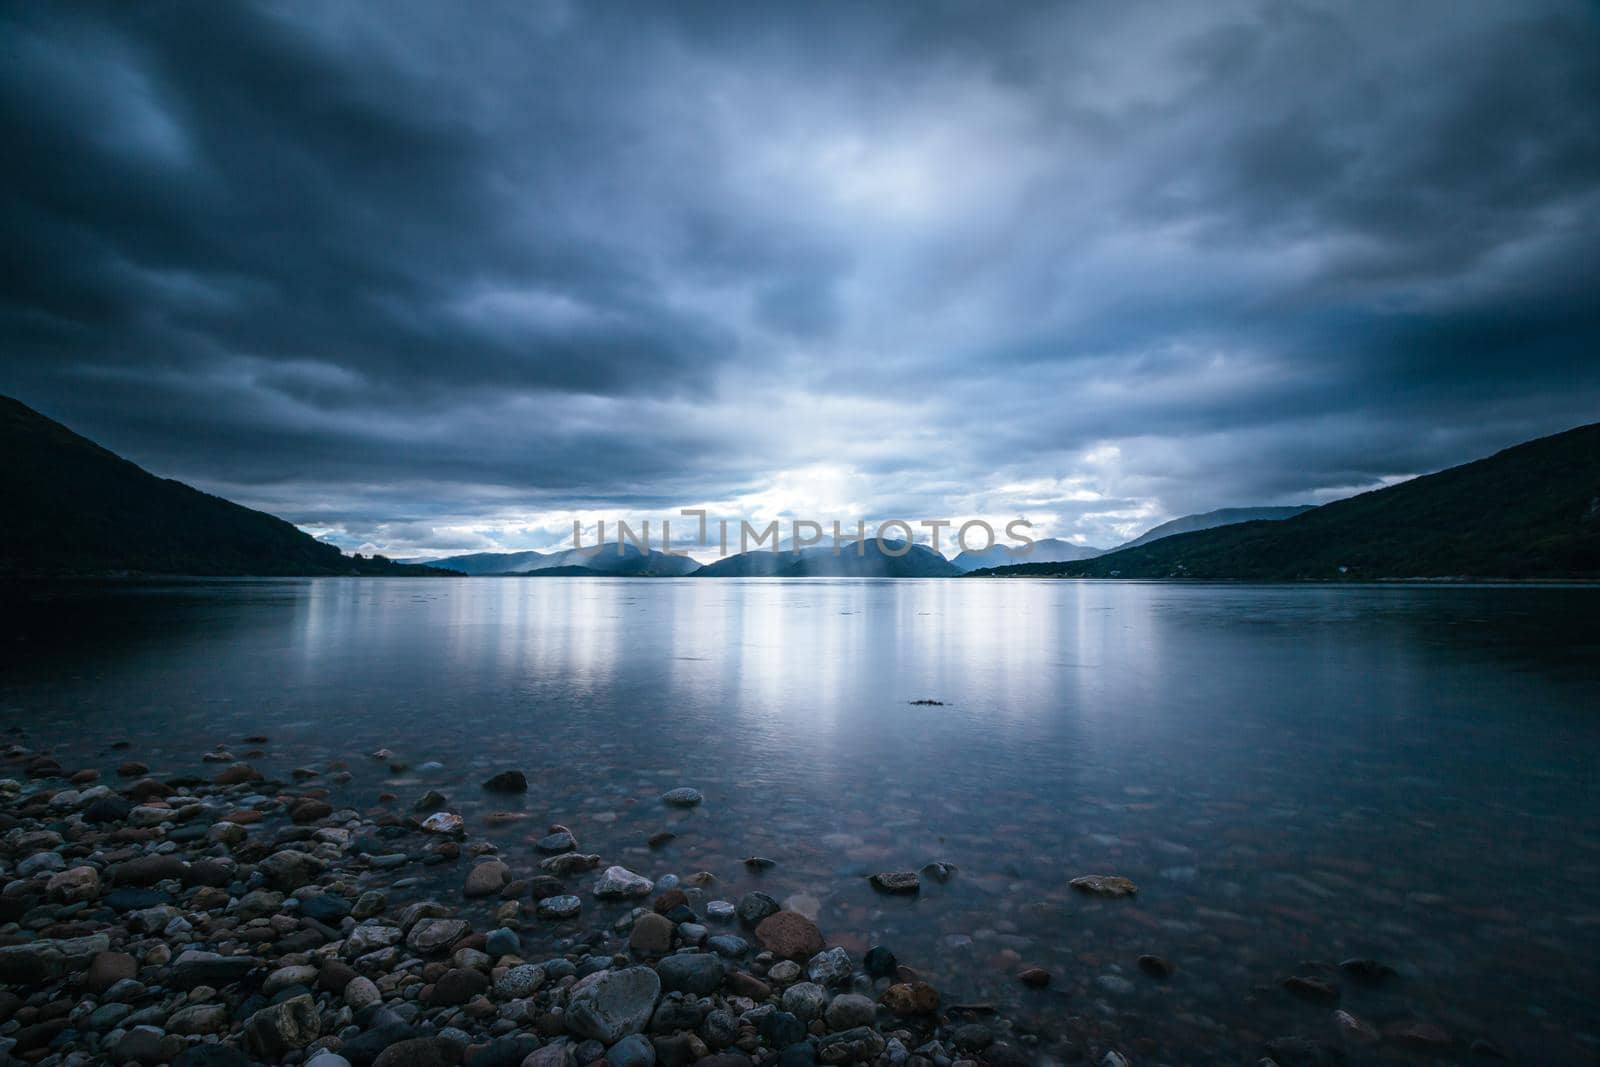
(682, 797)
(898, 882)
(1104, 885)
(507, 782)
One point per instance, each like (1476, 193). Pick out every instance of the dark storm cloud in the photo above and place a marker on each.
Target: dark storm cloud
(443, 277)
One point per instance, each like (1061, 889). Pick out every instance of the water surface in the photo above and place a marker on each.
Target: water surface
(1293, 776)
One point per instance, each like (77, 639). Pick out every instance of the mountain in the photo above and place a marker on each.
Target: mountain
(72, 507)
(1044, 550)
(1531, 511)
(820, 561)
(478, 563)
(607, 560)
(1210, 520)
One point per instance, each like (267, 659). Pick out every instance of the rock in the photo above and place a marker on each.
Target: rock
(1311, 988)
(486, 879)
(743, 984)
(368, 904)
(74, 884)
(146, 1045)
(682, 797)
(560, 841)
(972, 1037)
(1037, 977)
(829, 968)
(754, 907)
(223, 1056)
(281, 1028)
(106, 969)
(146, 870)
(37, 961)
(1416, 1034)
(789, 935)
(696, 973)
(940, 872)
(284, 977)
(851, 1046)
(422, 1052)
(631, 1051)
(652, 935)
(849, 1010)
(562, 907)
(880, 962)
(502, 942)
(903, 883)
(666, 902)
(432, 937)
(1156, 967)
(238, 774)
(309, 810)
(728, 945)
(1354, 1029)
(194, 967)
(661, 837)
(290, 869)
(780, 1029)
(446, 823)
(1104, 885)
(759, 863)
(361, 992)
(507, 782)
(805, 1001)
(721, 911)
(199, 1019)
(520, 981)
(569, 863)
(911, 998)
(1367, 972)
(1304, 1052)
(609, 1005)
(619, 883)
(457, 986)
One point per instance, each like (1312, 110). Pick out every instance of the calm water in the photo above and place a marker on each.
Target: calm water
(1293, 776)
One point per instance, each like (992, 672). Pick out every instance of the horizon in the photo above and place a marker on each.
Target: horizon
(1095, 266)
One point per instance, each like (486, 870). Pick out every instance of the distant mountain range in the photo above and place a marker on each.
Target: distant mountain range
(865, 559)
(71, 507)
(1044, 550)
(630, 561)
(1531, 511)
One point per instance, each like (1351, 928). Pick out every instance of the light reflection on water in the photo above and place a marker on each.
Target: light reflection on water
(1290, 773)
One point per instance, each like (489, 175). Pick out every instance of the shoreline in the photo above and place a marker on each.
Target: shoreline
(234, 919)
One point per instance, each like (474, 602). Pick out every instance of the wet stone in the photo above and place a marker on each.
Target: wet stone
(619, 883)
(682, 797)
(903, 883)
(560, 841)
(559, 907)
(696, 973)
(507, 782)
(1104, 885)
(790, 935)
(754, 907)
(1156, 966)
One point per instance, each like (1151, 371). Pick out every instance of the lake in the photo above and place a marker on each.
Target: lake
(1293, 776)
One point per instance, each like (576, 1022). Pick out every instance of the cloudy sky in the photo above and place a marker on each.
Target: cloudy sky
(435, 277)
